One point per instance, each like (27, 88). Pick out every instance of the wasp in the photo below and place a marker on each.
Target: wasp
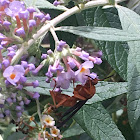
(80, 96)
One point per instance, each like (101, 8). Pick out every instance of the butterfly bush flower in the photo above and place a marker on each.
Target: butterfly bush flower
(83, 71)
(13, 73)
(66, 66)
(27, 20)
(54, 131)
(48, 120)
(14, 97)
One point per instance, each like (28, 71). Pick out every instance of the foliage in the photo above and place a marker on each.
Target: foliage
(107, 27)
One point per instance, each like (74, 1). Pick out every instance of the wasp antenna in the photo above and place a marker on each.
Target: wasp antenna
(89, 77)
(54, 85)
(106, 77)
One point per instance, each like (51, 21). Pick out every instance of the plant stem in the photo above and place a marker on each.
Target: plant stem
(39, 114)
(54, 36)
(54, 22)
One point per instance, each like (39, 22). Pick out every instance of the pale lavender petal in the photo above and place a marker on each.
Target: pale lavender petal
(36, 95)
(19, 69)
(53, 69)
(65, 84)
(72, 64)
(52, 83)
(93, 75)
(70, 74)
(88, 64)
(11, 81)
(98, 61)
(60, 68)
(8, 71)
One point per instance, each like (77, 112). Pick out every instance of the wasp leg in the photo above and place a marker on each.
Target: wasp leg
(60, 103)
(53, 97)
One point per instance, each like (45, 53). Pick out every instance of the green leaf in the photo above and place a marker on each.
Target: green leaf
(114, 52)
(137, 130)
(97, 123)
(131, 23)
(100, 33)
(73, 131)
(44, 4)
(84, 136)
(43, 86)
(16, 136)
(106, 90)
(8, 131)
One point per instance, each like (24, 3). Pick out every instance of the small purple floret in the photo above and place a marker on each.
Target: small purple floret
(7, 112)
(49, 52)
(39, 16)
(32, 23)
(19, 114)
(10, 49)
(48, 17)
(21, 103)
(31, 67)
(44, 56)
(31, 9)
(9, 100)
(55, 3)
(6, 24)
(24, 14)
(20, 32)
(24, 64)
(26, 101)
(11, 54)
(36, 95)
(35, 83)
(18, 108)
(23, 79)
(20, 87)
(98, 61)
(72, 64)
(6, 62)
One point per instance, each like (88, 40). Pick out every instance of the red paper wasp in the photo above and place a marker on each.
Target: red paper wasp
(81, 94)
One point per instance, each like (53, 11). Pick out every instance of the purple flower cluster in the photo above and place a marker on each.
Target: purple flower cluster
(13, 102)
(67, 68)
(66, 65)
(27, 21)
(13, 96)
(16, 23)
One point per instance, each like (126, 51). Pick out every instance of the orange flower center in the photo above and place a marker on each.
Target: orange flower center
(83, 69)
(54, 132)
(48, 121)
(12, 76)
